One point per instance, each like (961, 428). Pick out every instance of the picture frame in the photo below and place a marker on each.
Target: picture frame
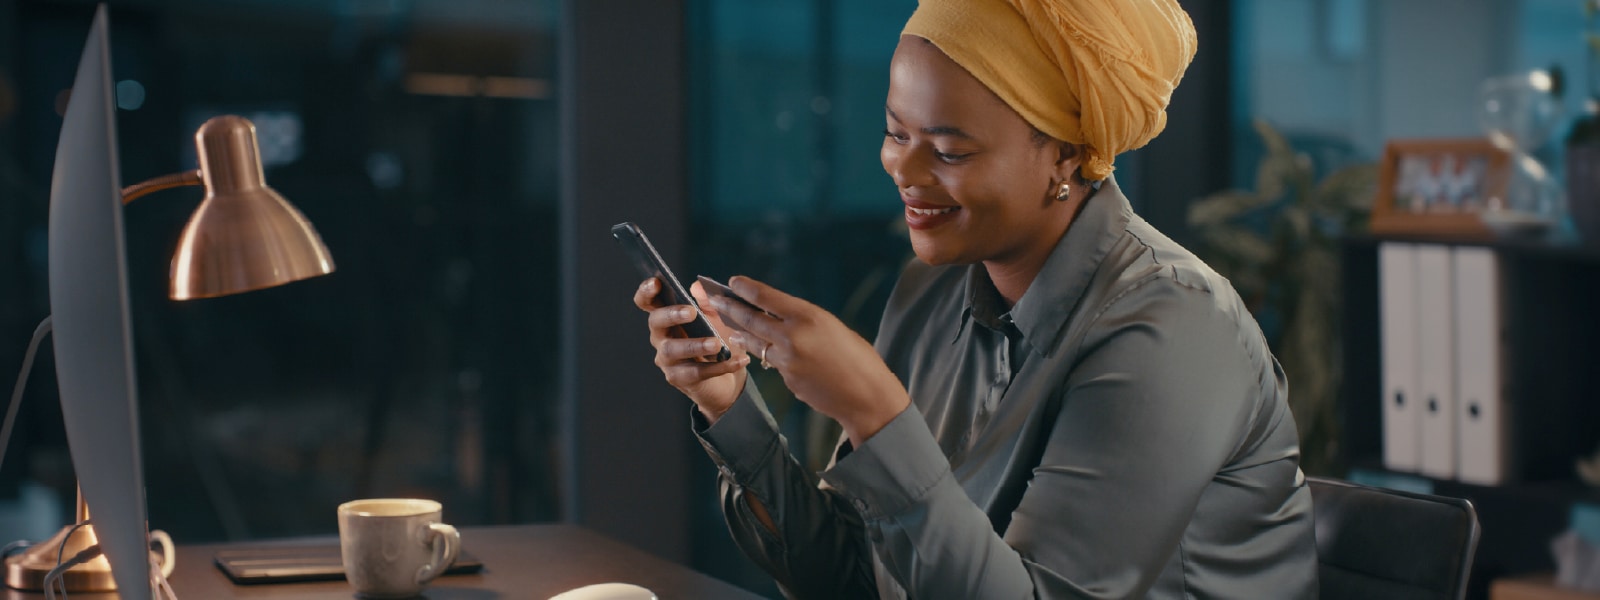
(1439, 188)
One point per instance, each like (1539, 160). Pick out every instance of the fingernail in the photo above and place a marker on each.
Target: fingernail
(737, 339)
(744, 359)
(685, 313)
(710, 345)
(718, 303)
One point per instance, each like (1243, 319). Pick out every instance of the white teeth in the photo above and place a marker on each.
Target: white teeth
(928, 212)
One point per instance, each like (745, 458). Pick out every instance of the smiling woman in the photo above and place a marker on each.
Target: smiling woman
(1059, 397)
(977, 185)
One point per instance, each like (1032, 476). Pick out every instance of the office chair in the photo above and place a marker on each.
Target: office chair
(1379, 543)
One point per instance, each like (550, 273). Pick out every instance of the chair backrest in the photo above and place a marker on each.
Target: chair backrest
(1379, 543)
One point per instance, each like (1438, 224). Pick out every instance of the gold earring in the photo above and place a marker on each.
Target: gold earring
(1066, 190)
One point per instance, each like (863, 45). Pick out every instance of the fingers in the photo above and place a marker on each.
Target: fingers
(768, 298)
(645, 296)
(670, 316)
(679, 360)
(748, 320)
(672, 351)
(683, 375)
(769, 353)
(703, 299)
(665, 322)
(699, 292)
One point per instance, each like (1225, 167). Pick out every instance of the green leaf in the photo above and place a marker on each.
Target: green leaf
(1222, 207)
(1240, 245)
(1347, 190)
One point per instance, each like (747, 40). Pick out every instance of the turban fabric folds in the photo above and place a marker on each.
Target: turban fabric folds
(1093, 72)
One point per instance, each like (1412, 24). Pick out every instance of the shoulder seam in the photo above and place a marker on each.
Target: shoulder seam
(1146, 245)
(1235, 320)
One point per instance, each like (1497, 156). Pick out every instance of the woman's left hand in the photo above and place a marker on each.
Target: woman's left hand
(824, 362)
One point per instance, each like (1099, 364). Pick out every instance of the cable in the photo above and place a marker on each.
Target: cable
(39, 332)
(14, 546)
(160, 573)
(169, 556)
(158, 581)
(58, 574)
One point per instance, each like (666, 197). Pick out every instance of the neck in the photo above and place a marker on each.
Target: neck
(1012, 276)
(1012, 279)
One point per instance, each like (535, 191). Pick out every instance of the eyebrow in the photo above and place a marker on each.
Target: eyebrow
(943, 130)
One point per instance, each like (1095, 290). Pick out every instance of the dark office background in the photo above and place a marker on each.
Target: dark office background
(420, 139)
(462, 160)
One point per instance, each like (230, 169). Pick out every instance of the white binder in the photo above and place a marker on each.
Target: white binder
(1482, 414)
(1436, 360)
(1397, 324)
(1397, 295)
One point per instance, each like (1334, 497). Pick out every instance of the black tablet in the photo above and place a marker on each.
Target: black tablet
(320, 562)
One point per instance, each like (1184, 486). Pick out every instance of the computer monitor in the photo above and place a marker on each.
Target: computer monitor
(93, 337)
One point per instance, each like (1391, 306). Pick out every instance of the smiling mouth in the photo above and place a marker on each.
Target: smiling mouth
(928, 212)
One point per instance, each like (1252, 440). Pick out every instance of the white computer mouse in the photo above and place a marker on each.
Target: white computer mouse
(606, 591)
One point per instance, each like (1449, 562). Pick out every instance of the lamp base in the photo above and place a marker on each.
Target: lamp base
(26, 570)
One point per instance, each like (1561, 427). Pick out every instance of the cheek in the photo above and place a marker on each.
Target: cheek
(1025, 182)
(885, 156)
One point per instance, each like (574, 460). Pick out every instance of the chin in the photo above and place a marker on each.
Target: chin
(930, 252)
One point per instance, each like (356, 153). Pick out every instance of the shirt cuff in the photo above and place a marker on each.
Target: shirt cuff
(743, 438)
(893, 470)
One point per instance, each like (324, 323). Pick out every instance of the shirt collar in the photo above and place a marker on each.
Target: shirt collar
(1042, 312)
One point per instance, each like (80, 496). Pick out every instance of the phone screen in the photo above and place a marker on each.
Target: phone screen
(650, 264)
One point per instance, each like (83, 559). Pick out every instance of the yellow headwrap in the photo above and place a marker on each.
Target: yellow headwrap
(1093, 72)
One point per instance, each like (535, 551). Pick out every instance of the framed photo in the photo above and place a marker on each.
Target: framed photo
(1439, 187)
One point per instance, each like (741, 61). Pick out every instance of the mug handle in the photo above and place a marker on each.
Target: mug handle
(446, 542)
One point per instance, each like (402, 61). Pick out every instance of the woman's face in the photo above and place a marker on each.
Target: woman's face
(976, 183)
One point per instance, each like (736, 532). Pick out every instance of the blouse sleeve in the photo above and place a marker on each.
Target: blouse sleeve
(1159, 400)
(820, 549)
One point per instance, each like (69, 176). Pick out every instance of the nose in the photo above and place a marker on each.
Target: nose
(903, 165)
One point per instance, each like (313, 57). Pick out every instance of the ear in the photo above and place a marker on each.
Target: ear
(1068, 160)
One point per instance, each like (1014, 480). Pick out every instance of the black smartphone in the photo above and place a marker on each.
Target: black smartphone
(650, 264)
(717, 288)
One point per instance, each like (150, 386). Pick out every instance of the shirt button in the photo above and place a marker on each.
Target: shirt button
(861, 505)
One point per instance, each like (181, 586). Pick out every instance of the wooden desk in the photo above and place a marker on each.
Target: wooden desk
(520, 562)
(1540, 586)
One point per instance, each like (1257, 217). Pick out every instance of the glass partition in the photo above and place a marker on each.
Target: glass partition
(786, 119)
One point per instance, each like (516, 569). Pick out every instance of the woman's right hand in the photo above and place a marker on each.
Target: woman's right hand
(712, 386)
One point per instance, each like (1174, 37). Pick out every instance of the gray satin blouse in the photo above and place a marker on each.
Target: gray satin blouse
(1123, 431)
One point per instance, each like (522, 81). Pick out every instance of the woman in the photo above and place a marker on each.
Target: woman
(1062, 402)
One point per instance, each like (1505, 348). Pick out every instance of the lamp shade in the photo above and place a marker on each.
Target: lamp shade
(244, 236)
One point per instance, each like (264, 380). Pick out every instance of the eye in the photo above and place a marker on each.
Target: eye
(898, 138)
(951, 158)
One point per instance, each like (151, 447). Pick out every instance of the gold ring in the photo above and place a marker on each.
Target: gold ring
(764, 363)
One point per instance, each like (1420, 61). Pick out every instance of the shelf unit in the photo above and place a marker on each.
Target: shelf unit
(1551, 302)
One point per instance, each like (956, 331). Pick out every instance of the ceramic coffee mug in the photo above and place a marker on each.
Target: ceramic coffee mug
(392, 547)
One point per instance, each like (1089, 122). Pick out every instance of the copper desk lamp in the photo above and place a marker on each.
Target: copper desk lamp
(243, 237)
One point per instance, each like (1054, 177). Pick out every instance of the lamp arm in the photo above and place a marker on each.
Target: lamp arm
(164, 182)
